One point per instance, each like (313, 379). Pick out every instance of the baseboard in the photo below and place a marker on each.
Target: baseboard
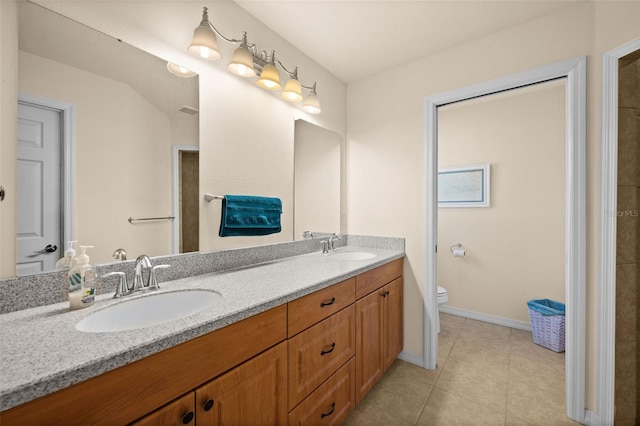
(506, 322)
(412, 358)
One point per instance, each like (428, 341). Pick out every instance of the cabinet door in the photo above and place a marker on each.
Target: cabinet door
(254, 393)
(331, 403)
(392, 321)
(316, 353)
(369, 342)
(178, 412)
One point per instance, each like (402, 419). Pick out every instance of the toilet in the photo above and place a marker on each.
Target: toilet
(443, 297)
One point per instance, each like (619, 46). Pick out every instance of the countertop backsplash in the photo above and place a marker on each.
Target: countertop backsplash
(43, 289)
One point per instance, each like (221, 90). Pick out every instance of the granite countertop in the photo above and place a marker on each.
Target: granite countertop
(42, 352)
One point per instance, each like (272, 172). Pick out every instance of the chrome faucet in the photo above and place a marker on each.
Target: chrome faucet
(120, 254)
(142, 262)
(332, 240)
(122, 289)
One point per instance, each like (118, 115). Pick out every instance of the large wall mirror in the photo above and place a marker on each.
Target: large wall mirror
(98, 126)
(128, 148)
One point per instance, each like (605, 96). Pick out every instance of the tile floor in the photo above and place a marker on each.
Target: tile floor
(487, 375)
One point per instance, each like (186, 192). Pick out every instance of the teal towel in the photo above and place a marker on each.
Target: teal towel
(245, 215)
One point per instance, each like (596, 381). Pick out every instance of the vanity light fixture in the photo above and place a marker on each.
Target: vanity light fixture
(293, 89)
(248, 61)
(179, 70)
(311, 103)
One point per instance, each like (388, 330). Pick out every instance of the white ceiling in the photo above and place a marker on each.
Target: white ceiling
(356, 38)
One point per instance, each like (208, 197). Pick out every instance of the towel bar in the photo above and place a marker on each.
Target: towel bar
(210, 197)
(131, 220)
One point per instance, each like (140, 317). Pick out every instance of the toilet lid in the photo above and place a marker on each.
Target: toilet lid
(442, 290)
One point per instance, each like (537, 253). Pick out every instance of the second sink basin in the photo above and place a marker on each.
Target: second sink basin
(148, 310)
(352, 255)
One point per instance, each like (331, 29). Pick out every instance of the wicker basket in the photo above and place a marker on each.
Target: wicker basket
(547, 323)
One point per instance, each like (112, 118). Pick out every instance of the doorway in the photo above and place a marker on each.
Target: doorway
(44, 182)
(186, 202)
(574, 71)
(609, 261)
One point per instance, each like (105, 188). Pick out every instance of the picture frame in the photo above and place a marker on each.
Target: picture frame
(467, 186)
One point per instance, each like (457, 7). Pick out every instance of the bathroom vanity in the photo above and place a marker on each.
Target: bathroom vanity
(299, 340)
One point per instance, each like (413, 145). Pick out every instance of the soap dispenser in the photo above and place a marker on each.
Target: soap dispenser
(82, 281)
(66, 262)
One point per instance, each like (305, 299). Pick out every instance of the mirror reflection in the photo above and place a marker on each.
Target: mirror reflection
(105, 133)
(317, 179)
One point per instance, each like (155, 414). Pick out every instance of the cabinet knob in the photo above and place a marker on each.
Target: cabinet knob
(330, 349)
(208, 405)
(186, 419)
(328, 302)
(330, 412)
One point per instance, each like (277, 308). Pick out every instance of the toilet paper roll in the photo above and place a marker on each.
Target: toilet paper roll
(459, 253)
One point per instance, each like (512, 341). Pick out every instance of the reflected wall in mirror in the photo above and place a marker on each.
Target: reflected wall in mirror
(317, 179)
(114, 159)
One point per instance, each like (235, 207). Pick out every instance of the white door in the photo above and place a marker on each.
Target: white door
(39, 188)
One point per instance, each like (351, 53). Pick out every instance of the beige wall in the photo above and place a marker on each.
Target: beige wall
(386, 135)
(516, 246)
(123, 157)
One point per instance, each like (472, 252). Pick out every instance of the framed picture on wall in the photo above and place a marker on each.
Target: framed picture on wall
(466, 186)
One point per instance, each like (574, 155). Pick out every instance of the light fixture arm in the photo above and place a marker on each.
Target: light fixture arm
(205, 20)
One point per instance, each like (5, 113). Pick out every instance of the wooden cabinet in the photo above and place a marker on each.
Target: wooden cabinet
(331, 403)
(179, 412)
(307, 362)
(134, 390)
(392, 321)
(251, 394)
(316, 353)
(378, 334)
(313, 308)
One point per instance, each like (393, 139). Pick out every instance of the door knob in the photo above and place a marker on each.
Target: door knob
(50, 248)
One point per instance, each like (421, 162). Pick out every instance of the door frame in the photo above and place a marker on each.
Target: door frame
(608, 222)
(575, 71)
(175, 223)
(68, 156)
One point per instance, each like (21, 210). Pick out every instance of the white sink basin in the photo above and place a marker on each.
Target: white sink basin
(352, 255)
(148, 310)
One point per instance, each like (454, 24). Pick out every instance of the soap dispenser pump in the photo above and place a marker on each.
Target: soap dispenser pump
(82, 281)
(66, 262)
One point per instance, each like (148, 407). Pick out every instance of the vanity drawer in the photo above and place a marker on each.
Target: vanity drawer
(331, 403)
(376, 278)
(313, 308)
(315, 354)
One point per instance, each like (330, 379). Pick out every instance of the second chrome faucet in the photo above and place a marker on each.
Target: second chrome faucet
(329, 244)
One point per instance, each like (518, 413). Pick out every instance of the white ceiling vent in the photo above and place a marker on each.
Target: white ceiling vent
(188, 110)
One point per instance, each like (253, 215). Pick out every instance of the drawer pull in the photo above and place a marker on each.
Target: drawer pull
(328, 351)
(208, 405)
(330, 412)
(186, 419)
(384, 293)
(327, 303)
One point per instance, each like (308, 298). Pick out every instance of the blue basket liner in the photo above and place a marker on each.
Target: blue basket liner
(546, 306)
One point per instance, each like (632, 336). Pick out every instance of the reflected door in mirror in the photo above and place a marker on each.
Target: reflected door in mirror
(39, 193)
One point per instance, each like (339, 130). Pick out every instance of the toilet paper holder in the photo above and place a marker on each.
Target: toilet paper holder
(457, 250)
